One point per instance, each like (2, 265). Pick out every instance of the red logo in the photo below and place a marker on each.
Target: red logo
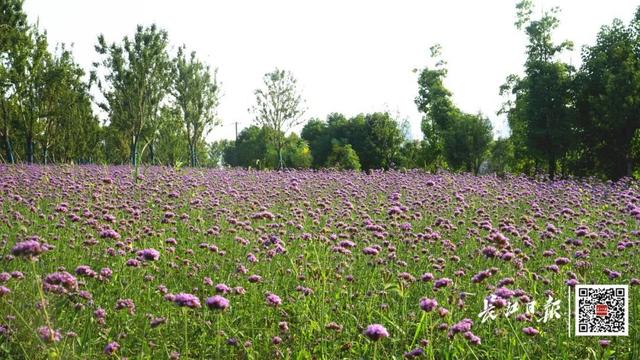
(602, 310)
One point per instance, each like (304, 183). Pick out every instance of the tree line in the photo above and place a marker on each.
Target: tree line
(161, 107)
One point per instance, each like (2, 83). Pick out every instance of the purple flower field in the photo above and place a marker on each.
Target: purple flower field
(239, 264)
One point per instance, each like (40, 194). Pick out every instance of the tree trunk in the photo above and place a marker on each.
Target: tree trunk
(29, 145)
(192, 154)
(134, 151)
(552, 167)
(9, 150)
(152, 155)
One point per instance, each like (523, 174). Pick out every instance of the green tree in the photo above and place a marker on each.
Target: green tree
(466, 142)
(382, 140)
(543, 113)
(171, 149)
(14, 41)
(434, 101)
(317, 134)
(197, 94)
(137, 77)
(279, 106)
(297, 153)
(250, 149)
(343, 157)
(501, 156)
(608, 99)
(412, 155)
(216, 151)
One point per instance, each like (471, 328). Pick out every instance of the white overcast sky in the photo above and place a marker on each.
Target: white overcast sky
(348, 56)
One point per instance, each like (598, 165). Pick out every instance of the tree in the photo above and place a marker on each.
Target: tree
(216, 151)
(343, 157)
(317, 134)
(608, 99)
(171, 150)
(434, 101)
(138, 74)
(382, 140)
(279, 106)
(14, 40)
(501, 156)
(197, 94)
(467, 141)
(411, 155)
(297, 153)
(68, 128)
(543, 114)
(250, 149)
(449, 133)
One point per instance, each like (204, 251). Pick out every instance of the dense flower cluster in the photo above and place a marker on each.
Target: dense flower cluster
(338, 261)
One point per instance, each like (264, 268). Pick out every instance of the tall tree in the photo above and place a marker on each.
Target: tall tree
(279, 106)
(543, 95)
(138, 75)
(14, 40)
(449, 133)
(434, 101)
(467, 141)
(197, 94)
(382, 139)
(608, 98)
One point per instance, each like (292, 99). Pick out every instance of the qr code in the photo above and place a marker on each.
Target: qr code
(602, 310)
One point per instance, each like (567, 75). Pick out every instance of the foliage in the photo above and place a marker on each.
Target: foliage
(137, 77)
(343, 157)
(608, 99)
(197, 94)
(279, 106)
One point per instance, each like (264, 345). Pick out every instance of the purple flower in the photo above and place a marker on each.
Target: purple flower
(109, 234)
(133, 262)
(426, 277)
(48, 334)
(603, 342)
(530, 331)
(273, 300)
(444, 282)
(148, 254)
(29, 248)
(217, 302)
(370, 251)
(100, 315)
(111, 348)
(188, 300)
(376, 332)
(504, 293)
(460, 327)
(84, 270)
(4, 290)
(414, 353)
(126, 304)
(428, 304)
(106, 273)
(59, 282)
(222, 288)
(571, 282)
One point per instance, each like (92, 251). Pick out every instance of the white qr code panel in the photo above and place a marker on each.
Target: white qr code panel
(602, 310)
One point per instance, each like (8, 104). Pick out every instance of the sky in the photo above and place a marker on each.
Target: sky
(349, 56)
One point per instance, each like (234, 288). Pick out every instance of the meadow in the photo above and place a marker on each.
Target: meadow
(241, 264)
